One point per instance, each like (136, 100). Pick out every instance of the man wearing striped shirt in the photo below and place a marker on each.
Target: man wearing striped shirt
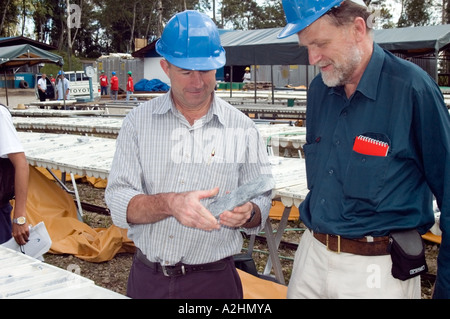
(175, 155)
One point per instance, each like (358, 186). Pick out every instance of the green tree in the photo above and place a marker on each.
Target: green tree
(9, 18)
(415, 13)
(269, 15)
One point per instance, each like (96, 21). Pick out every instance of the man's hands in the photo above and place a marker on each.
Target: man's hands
(21, 233)
(189, 211)
(237, 217)
(187, 208)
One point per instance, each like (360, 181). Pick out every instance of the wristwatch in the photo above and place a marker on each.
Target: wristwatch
(251, 216)
(20, 221)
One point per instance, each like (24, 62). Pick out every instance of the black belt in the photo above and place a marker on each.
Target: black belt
(181, 269)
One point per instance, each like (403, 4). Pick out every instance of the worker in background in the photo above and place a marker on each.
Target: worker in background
(247, 75)
(42, 87)
(103, 83)
(130, 85)
(63, 87)
(114, 86)
(377, 152)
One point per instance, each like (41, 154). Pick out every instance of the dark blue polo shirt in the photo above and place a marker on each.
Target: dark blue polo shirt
(353, 194)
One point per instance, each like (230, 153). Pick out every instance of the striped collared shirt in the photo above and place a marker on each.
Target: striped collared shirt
(158, 151)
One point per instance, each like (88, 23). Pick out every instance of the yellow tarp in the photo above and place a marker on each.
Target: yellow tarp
(94, 181)
(257, 288)
(277, 211)
(47, 202)
(432, 237)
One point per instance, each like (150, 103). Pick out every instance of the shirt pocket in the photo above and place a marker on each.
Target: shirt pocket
(365, 177)
(311, 163)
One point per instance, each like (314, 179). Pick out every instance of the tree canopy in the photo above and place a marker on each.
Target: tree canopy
(90, 28)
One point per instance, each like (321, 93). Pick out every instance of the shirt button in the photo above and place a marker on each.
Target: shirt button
(330, 172)
(338, 142)
(171, 236)
(322, 201)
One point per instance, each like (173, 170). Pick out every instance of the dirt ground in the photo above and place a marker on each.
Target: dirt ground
(113, 274)
(17, 96)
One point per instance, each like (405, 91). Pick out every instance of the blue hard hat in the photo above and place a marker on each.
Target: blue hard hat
(191, 41)
(301, 13)
(113, 73)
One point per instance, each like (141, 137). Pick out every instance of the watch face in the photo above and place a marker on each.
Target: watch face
(21, 220)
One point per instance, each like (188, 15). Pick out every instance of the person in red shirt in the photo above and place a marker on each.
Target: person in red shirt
(130, 86)
(104, 83)
(114, 86)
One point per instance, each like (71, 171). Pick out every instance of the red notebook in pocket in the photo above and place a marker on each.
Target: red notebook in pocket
(369, 146)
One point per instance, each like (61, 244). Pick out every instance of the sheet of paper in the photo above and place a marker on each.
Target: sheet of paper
(38, 244)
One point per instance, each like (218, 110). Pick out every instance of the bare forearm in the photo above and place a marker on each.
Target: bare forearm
(20, 182)
(185, 207)
(147, 209)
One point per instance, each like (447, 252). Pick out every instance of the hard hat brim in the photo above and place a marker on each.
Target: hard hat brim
(298, 25)
(197, 63)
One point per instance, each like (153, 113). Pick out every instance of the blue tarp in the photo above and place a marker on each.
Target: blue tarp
(154, 85)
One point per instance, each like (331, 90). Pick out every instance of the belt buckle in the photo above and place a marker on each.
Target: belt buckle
(164, 270)
(338, 251)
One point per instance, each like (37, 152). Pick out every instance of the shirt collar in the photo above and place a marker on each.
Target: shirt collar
(368, 85)
(215, 110)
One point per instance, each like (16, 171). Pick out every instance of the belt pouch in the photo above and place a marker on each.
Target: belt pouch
(407, 251)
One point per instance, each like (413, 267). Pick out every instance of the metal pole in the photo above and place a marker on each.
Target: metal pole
(231, 81)
(63, 91)
(6, 88)
(254, 72)
(273, 86)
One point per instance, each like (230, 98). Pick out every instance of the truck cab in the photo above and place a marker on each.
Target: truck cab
(79, 84)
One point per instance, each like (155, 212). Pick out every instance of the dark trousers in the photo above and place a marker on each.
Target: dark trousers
(147, 283)
(42, 96)
(5, 223)
(104, 90)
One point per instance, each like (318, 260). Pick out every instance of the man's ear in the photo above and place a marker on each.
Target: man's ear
(165, 66)
(359, 28)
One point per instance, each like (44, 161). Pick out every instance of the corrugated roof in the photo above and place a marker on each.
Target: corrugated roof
(264, 48)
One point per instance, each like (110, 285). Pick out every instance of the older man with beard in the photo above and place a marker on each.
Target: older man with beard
(378, 149)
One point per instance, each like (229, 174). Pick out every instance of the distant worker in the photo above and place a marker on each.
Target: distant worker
(130, 85)
(63, 87)
(104, 83)
(247, 75)
(52, 79)
(114, 86)
(42, 88)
